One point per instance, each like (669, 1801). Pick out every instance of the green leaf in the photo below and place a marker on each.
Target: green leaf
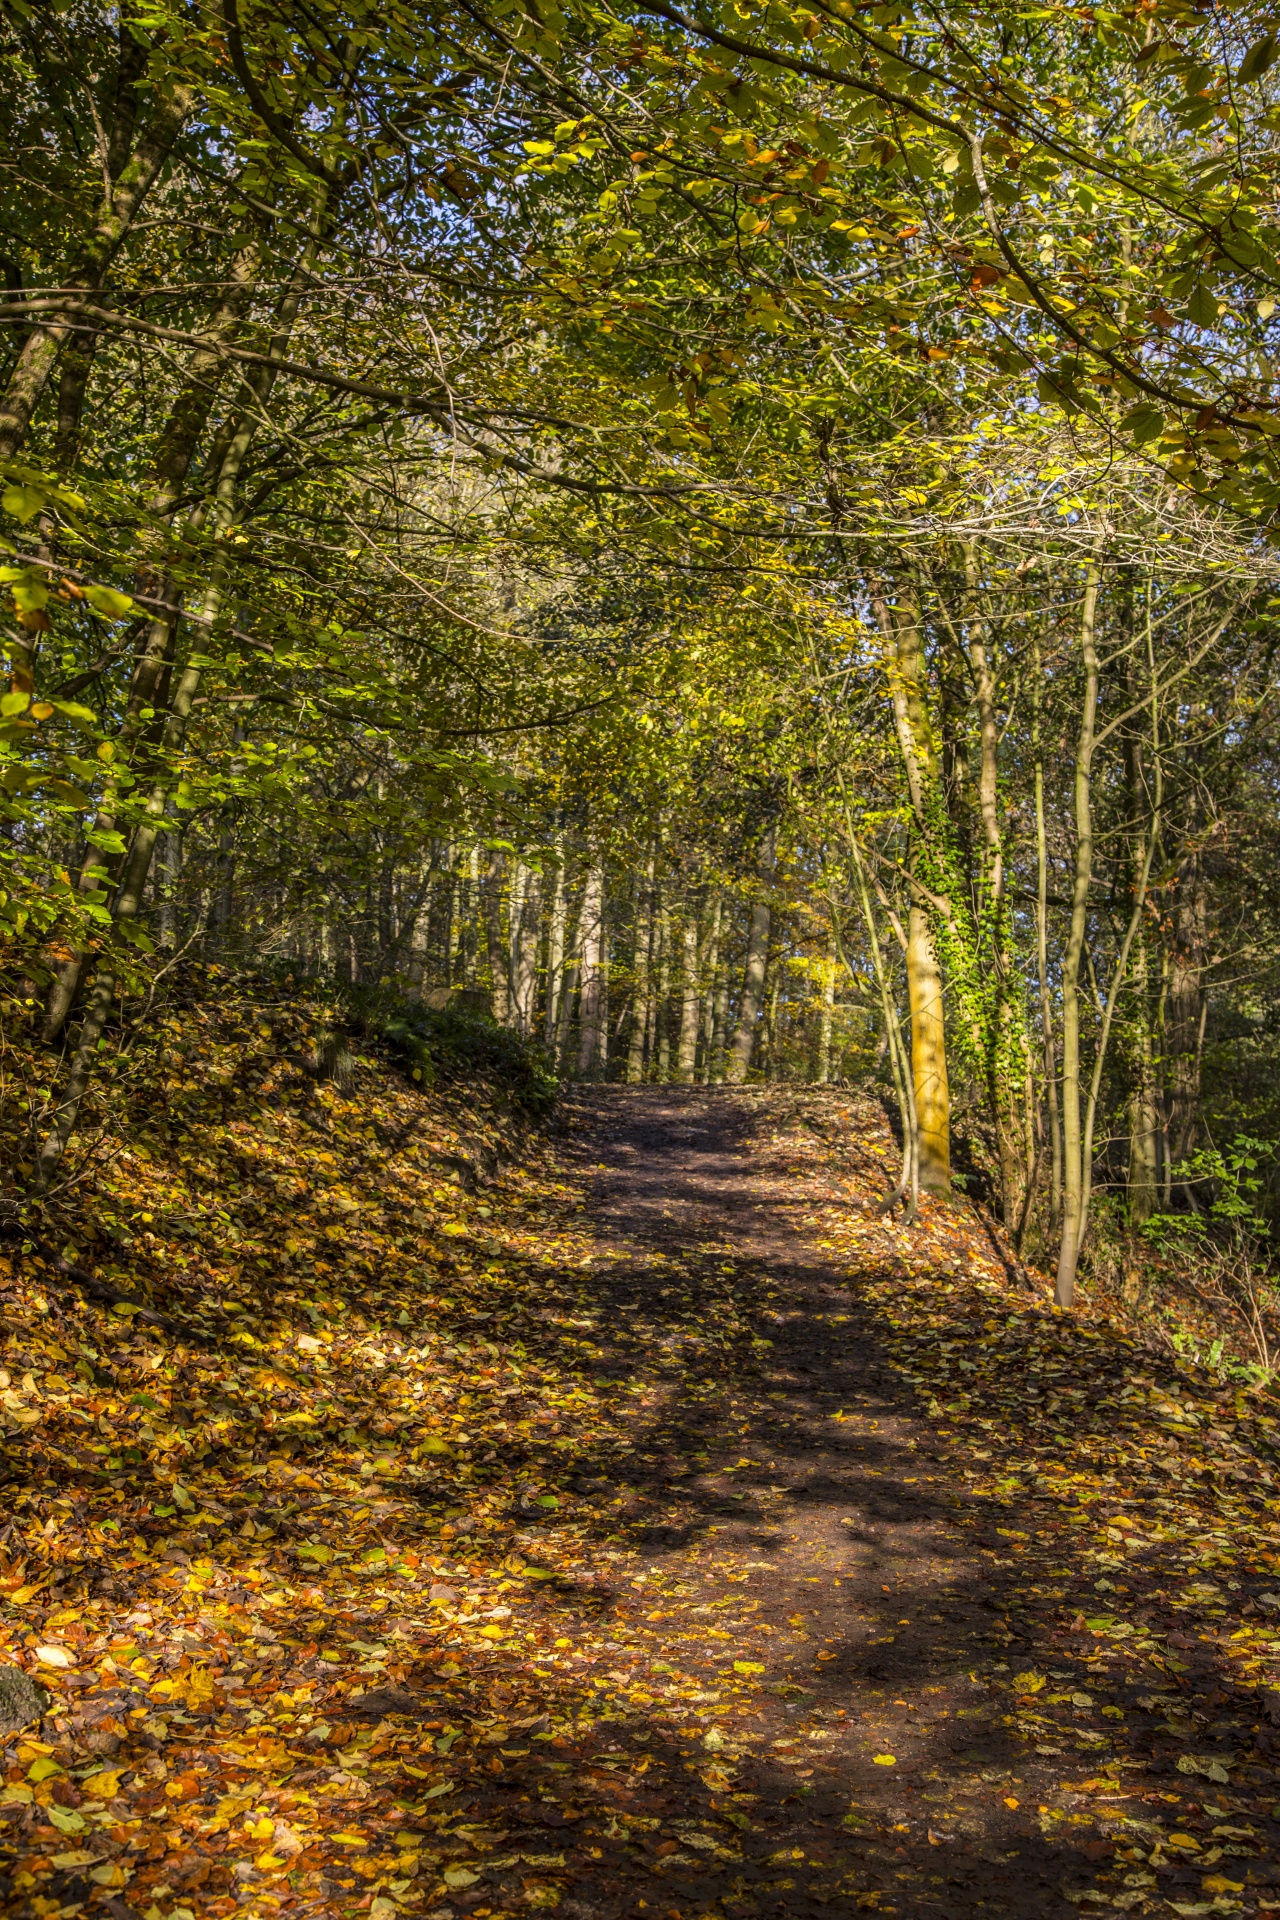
(23, 502)
(107, 601)
(1258, 59)
(1143, 424)
(11, 703)
(1202, 307)
(72, 710)
(64, 1819)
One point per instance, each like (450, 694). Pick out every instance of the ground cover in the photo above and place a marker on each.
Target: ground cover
(620, 1519)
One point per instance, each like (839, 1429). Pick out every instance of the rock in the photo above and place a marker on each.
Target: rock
(21, 1701)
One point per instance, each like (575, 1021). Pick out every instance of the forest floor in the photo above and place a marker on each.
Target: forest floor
(661, 1533)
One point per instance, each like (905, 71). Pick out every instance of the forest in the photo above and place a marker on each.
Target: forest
(551, 552)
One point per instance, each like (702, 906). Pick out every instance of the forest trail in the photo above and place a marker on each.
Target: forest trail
(891, 1717)
(801, 1523)
(649, 1533)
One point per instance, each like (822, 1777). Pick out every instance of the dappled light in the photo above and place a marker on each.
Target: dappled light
(667, 1553)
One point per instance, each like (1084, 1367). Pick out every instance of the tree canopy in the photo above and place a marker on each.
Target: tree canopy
(742, 538)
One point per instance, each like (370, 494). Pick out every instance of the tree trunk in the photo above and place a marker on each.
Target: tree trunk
(661, 1046)
(1048, 1040)
(492, 891)
(1076, 1176)
(640, 1008)
(753, 976)
(716, 1048)
(690, 999)
(526, 969)
(569, 993)
(168, 875)
(928, 1055)
(713, 1040)
(1144, 1117)
(931, 1090)
(1187, 1005)
(826, 1020)
(592, 1016)
(555, 946)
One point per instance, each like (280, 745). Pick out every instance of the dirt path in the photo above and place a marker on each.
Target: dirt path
(651, 1533)
(797, 1556)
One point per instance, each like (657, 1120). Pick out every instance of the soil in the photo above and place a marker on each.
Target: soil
(795, 1537)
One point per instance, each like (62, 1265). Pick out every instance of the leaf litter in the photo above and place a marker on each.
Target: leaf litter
(478, 1547)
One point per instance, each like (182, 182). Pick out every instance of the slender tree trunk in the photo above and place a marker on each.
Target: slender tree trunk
(169, 873)
(1187, 1004)
(1144, 1118)
(592, 1018)
(569, 993)
(142, 721)
(928, 1055)
(419, 965)
(1142, 1172)
(498, 962)
(711, 1041)
(908, 1187)
(826, 1019)
(1007, 1052)
(753, 976)
(555, 946)
(1076, 1176)
(662, 1010)
(640, 974)
(717, 1047)
(515, 928)
(690, 999)
(529, 934)
(1048, 1040)
(930, 1084)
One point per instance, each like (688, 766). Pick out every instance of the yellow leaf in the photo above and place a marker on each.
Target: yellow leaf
(459, 1877)
(112, 1875)
(233, 1803)
(747, 1666)
(350, 1839)
(43, 1769)
(196, 1687)
(885, 1759)
(1217, 1883)
(492, 1633)
(1028, 1682)
(55, 1657)
(102, 1786)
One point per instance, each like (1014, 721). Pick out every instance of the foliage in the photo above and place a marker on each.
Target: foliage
(456, 1042)
(1225, 1182)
